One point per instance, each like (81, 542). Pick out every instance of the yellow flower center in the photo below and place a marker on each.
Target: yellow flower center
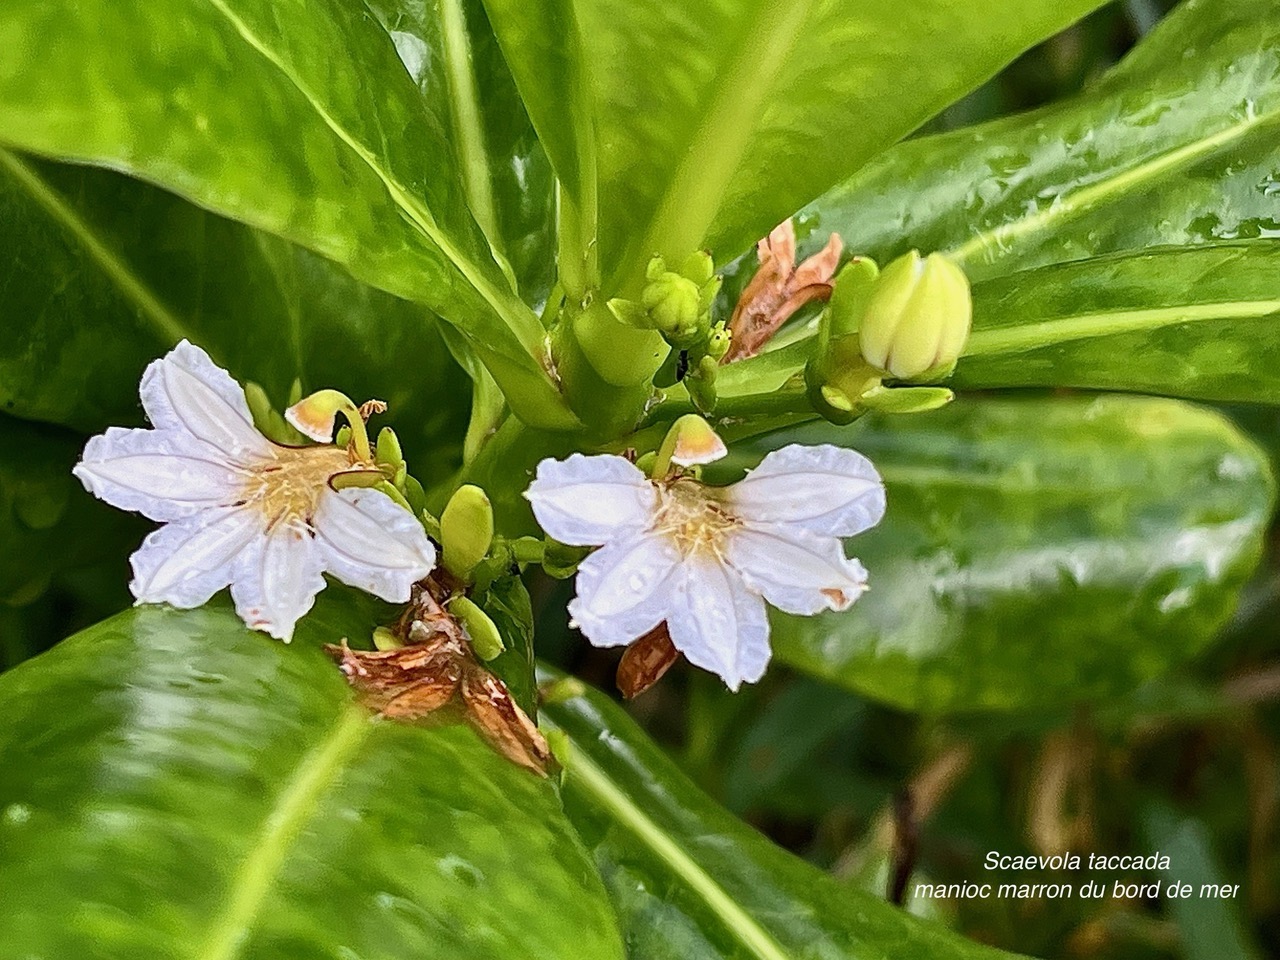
(691, 515)
(289, 485)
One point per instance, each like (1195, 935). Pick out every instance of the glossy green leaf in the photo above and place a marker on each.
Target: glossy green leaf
(1039, 552)
(48, 524)
(298, 119)
(450, 51)
(111, 273)
(1175, 146)
(1197, 322)
(177, 786)
(1200, 322)
(543, 45)
(690, 881)
(715, 122)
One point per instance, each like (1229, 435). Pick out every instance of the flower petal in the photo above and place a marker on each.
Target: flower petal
(826, 489)
(369, 541)
(586, 501)
(277, 578)
(187, 562)
(796, 570)
(156, 473)
(625, 589)
(186, 391)
(717, 623)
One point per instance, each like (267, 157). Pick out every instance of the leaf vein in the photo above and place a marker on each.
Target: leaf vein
(249, 887)
(164, 322)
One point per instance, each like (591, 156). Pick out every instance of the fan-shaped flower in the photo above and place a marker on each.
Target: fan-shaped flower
(705, 559)
(243, 511)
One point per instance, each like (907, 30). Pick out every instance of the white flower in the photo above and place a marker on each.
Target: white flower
(705, 559)
(239, 509)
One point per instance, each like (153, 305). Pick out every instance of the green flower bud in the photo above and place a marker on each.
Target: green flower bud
(673, 304)
(385, 639)
(917, 319)
(718, 343)
(388, 448)
(466, 530)
(486, 641)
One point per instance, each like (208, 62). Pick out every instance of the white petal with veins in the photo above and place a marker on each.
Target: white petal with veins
(277, 578)
(625, 590)
(369, 541)
(794, 569)
(586, 501)
(827, 489)
(187, 391)
(719, 624)
(186, 562)
(157, 473)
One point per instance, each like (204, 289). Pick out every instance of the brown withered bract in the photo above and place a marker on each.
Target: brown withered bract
(778, 289)
(439, 670)
(645, 661)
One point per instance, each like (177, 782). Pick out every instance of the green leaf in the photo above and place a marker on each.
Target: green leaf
(1175, 146)
(543, 45)
(210, 793)
(1213, 926)
(111, 273)
(691, 881)
(714, 124)
(450, 51)
(298, 119)
(48, 524)
(1197, 322)
(1039, 552)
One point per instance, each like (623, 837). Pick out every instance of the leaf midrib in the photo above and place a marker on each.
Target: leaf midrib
(737, 921)
(717, 144)
(519, 319)
(473, 152)
(166, 325)
(1077, 202)
(297, 802)
(1088, 326)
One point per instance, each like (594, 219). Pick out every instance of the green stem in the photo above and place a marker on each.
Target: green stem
(751, 406)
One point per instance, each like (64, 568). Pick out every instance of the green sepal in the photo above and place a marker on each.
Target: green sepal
(905, 399)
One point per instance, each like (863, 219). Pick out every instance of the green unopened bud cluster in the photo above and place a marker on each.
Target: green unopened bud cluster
(907, 323)
(677, 304)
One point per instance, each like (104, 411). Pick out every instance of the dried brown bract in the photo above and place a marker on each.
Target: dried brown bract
(645, 661)
(438, 676)
(779, 288)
